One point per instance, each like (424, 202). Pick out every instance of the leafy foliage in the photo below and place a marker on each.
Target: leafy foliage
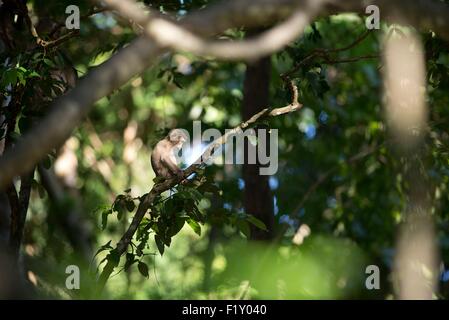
(337, 174)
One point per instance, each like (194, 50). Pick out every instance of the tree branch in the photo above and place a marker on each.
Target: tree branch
(60, 25)
(421, 14)
(352, 59)
(57, 42)
(70, 109)
(147, 200)
(71, 221)
(14, 205)
(170, 34)
(18, 213)
(324, 53)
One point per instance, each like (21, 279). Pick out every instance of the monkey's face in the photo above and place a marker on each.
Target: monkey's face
(177, 137)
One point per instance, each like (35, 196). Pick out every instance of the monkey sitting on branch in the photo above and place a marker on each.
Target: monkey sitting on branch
(163, 157)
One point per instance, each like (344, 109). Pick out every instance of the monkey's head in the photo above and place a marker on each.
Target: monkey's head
(177, 137)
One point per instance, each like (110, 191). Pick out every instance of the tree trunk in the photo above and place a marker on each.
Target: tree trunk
(258, 199)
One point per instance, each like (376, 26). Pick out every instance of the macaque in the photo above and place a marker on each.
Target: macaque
(163, 159)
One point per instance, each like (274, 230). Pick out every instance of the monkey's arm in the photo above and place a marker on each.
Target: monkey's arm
(170, 163)
(163, 160)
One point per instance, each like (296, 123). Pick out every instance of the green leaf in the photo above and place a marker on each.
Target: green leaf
(176, 226)
(130, 205)
(21, 78)
(49, 63)
(22, 69)
(24, 124)
(196, 195)
(243, 226)
(195, 226)
(209, 187)
(129, 260)
(159, 243)
(113, 257)
(143, 228)
(161, 74)
(104, 218)
(177, 84)
(190, 193)
(167, 240)
(120, 211)
(33, 74)
(104, 247)
(192, 211)
(256, 222)
(9, 78)
(120, 206)
(173, 205)
(37, 55)
(143, 268)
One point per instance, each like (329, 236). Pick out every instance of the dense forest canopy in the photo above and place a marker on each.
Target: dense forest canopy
(359, 117)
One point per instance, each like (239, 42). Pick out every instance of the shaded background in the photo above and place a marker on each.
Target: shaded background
(332, 208)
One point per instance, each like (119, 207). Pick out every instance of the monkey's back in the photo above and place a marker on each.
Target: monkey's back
(156, 160)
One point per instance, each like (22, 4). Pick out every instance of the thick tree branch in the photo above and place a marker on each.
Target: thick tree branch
(18, 214)
(421, 14)
(71, 221)
(69, 110)
(170, 34)
(14, 205)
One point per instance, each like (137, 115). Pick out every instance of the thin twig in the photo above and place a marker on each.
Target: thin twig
(352, 59)
(57, 42)
(325, 53)
(62, 24)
